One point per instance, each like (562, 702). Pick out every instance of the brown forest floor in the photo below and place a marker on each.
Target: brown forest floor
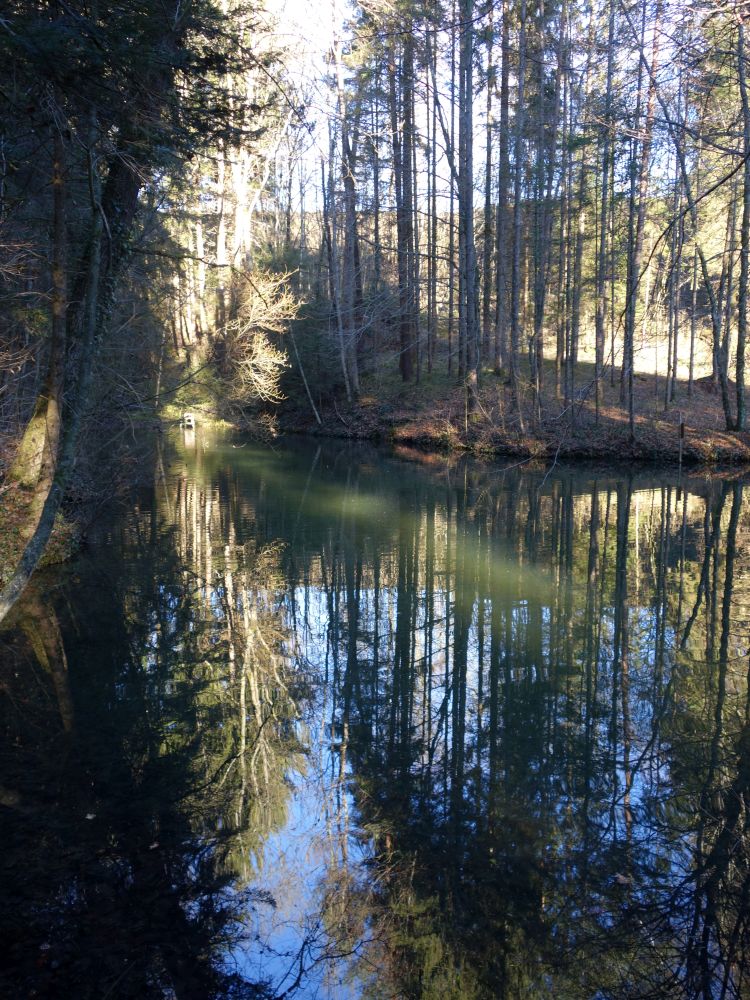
(432, 414)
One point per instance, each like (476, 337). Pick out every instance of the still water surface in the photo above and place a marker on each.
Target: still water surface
(320, 721)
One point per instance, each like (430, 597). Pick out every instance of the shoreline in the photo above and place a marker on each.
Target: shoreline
(657, 442)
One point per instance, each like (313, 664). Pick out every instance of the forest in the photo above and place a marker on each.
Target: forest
(510, 227)
(374, 526)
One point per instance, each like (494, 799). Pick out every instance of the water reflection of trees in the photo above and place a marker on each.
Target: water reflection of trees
(536, 699)
(137, 793)
(542, 693)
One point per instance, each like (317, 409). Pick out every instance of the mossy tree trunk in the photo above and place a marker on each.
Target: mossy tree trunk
(35, 461)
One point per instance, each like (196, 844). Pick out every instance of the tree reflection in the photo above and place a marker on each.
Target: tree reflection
(135, 803)
(529, 724)
(548, 731)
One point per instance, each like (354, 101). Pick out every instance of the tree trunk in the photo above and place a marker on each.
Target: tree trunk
(602, 260)
(468, 302)
(516, 270)
(351, 291)
(744, 231)
(501, 262)
(93, 316)
(636, 250)
(487, 229)
(36, 459)
(402, 175)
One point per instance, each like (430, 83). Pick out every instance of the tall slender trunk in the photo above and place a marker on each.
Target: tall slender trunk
(674, 296)
(468, 300)
(375, 143)
(636, 250)
(412, 136)
(501, 266)
(724, 291)
(400, 110)
(488, 227)
(564, 248)
(546, 163)
(575, 335)
(430, 195)
(580, 237)
(222, 254)
(434, 214)
(516, 271)
(351, 279)
(329, 238)
(744, 231)
(693, 321)
(602, 260)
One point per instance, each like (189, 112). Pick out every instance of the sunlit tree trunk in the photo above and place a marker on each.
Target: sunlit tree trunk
(602, 257)
(744, 230)
(516, 268)
(501, 262)
(400, 90)
(487, 230)
(351, 281)
(467, 252)
(638, 216)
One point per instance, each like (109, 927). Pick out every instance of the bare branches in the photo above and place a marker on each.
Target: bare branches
(255, 363)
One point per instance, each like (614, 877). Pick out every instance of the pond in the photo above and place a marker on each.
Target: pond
(320, 720)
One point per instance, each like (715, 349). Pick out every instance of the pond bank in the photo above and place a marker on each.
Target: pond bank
(432, 416)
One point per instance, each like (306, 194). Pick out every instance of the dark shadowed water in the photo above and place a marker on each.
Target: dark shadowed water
(320, 721)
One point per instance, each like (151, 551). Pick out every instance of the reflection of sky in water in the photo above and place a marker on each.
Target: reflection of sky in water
(287, 943)
(585, 801)
(588, 780)
(297, 865)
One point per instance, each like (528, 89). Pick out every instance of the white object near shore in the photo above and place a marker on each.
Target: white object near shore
(188, 421)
